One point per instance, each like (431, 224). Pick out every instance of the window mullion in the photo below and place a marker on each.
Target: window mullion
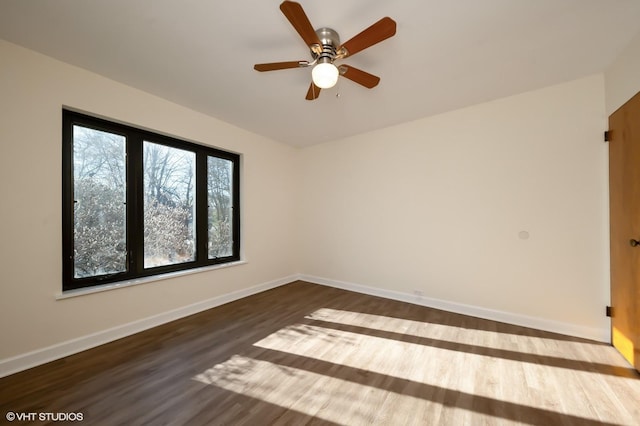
(135, 214)
(202, 209)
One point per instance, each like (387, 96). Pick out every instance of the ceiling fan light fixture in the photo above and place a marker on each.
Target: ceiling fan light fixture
(325, 75)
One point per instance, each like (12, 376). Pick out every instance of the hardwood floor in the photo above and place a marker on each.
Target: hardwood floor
(307, 354)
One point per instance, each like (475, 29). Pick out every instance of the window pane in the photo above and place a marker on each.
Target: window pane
(169, 201)
(99, 195)
(219, 192)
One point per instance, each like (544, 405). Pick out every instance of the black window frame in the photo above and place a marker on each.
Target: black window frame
(135, 137)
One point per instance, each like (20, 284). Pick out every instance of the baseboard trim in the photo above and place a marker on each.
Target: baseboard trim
(32, 359)
(597, 334)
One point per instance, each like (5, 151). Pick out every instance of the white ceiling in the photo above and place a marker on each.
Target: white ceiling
(446, 54)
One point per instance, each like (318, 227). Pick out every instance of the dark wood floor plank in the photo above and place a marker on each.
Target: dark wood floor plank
(308, 354)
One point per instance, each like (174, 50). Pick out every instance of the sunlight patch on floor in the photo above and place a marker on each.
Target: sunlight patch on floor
(464, 372)
(340, 364)
(450, 333)
(314, 394)
(384, 356)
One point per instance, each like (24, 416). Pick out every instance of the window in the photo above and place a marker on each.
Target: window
(137, 204)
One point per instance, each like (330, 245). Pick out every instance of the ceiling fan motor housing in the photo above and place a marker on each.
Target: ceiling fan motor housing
(330, 41)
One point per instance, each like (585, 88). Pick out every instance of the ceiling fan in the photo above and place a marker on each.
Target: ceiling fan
(325, 47)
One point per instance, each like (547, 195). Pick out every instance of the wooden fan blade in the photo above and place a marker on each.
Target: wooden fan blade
(381, 30)
(274, 66)
(313, 92)
(361, 77)
(295, 14)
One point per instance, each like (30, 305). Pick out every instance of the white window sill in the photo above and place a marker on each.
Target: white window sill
(112, 286)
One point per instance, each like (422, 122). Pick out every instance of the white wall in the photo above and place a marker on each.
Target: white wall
(622, 78)
(33, 89)
(437, 206)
